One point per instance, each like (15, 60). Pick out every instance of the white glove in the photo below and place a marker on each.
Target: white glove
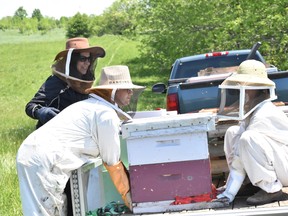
(233, 185)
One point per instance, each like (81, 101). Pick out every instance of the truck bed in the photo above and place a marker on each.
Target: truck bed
(238, 207)
(194, 80)
(202, 92)
(220, 171)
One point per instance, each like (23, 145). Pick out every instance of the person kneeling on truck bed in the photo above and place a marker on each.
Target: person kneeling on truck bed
(258, 146)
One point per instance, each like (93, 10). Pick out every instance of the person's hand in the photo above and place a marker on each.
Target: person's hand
(44, 114)
(223, 199)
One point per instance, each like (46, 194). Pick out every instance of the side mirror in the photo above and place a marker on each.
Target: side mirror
(159, 88)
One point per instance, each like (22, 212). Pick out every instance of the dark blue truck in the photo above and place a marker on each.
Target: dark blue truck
(194, 80)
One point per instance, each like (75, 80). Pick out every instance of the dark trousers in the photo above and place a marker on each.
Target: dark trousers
(67, 191)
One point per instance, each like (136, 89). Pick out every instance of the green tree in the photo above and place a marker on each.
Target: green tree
(118, 19)
(79, 25)
(97, 26)
(176, 28)
(20, 13)
(252, 21)
(37, 14)
(46, 24)
(62, 22)
(5, 23)
(28, 26)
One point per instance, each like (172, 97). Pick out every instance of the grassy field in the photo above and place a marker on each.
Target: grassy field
(25, 65)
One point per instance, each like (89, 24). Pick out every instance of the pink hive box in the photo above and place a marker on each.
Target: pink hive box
(168, 156)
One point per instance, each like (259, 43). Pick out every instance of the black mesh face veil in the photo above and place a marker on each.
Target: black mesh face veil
(131, 109)
(90, 75)
(73, 78)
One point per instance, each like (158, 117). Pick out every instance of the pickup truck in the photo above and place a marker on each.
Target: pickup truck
(193, 86)
(194, 80)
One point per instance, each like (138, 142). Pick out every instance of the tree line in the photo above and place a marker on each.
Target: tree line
(169, 29)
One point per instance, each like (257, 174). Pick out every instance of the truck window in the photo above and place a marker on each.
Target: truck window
(191, 68)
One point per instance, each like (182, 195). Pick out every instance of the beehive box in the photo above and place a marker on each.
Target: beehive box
(168, 156)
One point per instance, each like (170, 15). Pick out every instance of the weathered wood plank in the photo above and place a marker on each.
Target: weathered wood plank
(216, 148)
(219, 166)
(240, 203)
(284, 201)
(269, 205)
(165, 206)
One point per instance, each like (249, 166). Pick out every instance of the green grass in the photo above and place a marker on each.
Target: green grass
(25, 64)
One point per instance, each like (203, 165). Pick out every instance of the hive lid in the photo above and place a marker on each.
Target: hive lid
(167, 122)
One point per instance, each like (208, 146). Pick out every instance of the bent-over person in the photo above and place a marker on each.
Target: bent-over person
(86, 129)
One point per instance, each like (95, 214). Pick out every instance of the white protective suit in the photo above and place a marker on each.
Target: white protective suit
(86, 129)
(259, 148)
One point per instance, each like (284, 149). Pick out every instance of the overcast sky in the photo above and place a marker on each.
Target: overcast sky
(55, 8)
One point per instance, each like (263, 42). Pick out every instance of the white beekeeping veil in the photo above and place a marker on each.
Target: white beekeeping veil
(243, 92)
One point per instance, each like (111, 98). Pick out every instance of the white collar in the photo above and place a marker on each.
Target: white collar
(116, 108)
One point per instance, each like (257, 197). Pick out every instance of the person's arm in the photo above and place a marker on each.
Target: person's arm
(45, 96)
(105, 130)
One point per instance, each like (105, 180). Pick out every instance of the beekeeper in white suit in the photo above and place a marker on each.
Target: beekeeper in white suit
(258, 147)
(84, 130)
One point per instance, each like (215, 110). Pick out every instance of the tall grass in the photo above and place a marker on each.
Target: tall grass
(24, 66)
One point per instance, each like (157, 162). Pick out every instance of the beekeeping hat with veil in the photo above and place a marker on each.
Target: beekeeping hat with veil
(113, 78)
(236, 100)
(64, 61)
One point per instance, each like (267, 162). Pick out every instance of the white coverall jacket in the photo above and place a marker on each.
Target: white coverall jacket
(86, 129)
(259, 147)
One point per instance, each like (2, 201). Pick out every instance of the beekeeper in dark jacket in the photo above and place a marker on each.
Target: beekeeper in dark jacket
(73, 73)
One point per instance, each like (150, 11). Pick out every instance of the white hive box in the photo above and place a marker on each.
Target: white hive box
(168, 156)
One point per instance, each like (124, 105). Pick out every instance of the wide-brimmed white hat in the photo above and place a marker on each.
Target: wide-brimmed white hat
(250, 73)
(116, 77)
